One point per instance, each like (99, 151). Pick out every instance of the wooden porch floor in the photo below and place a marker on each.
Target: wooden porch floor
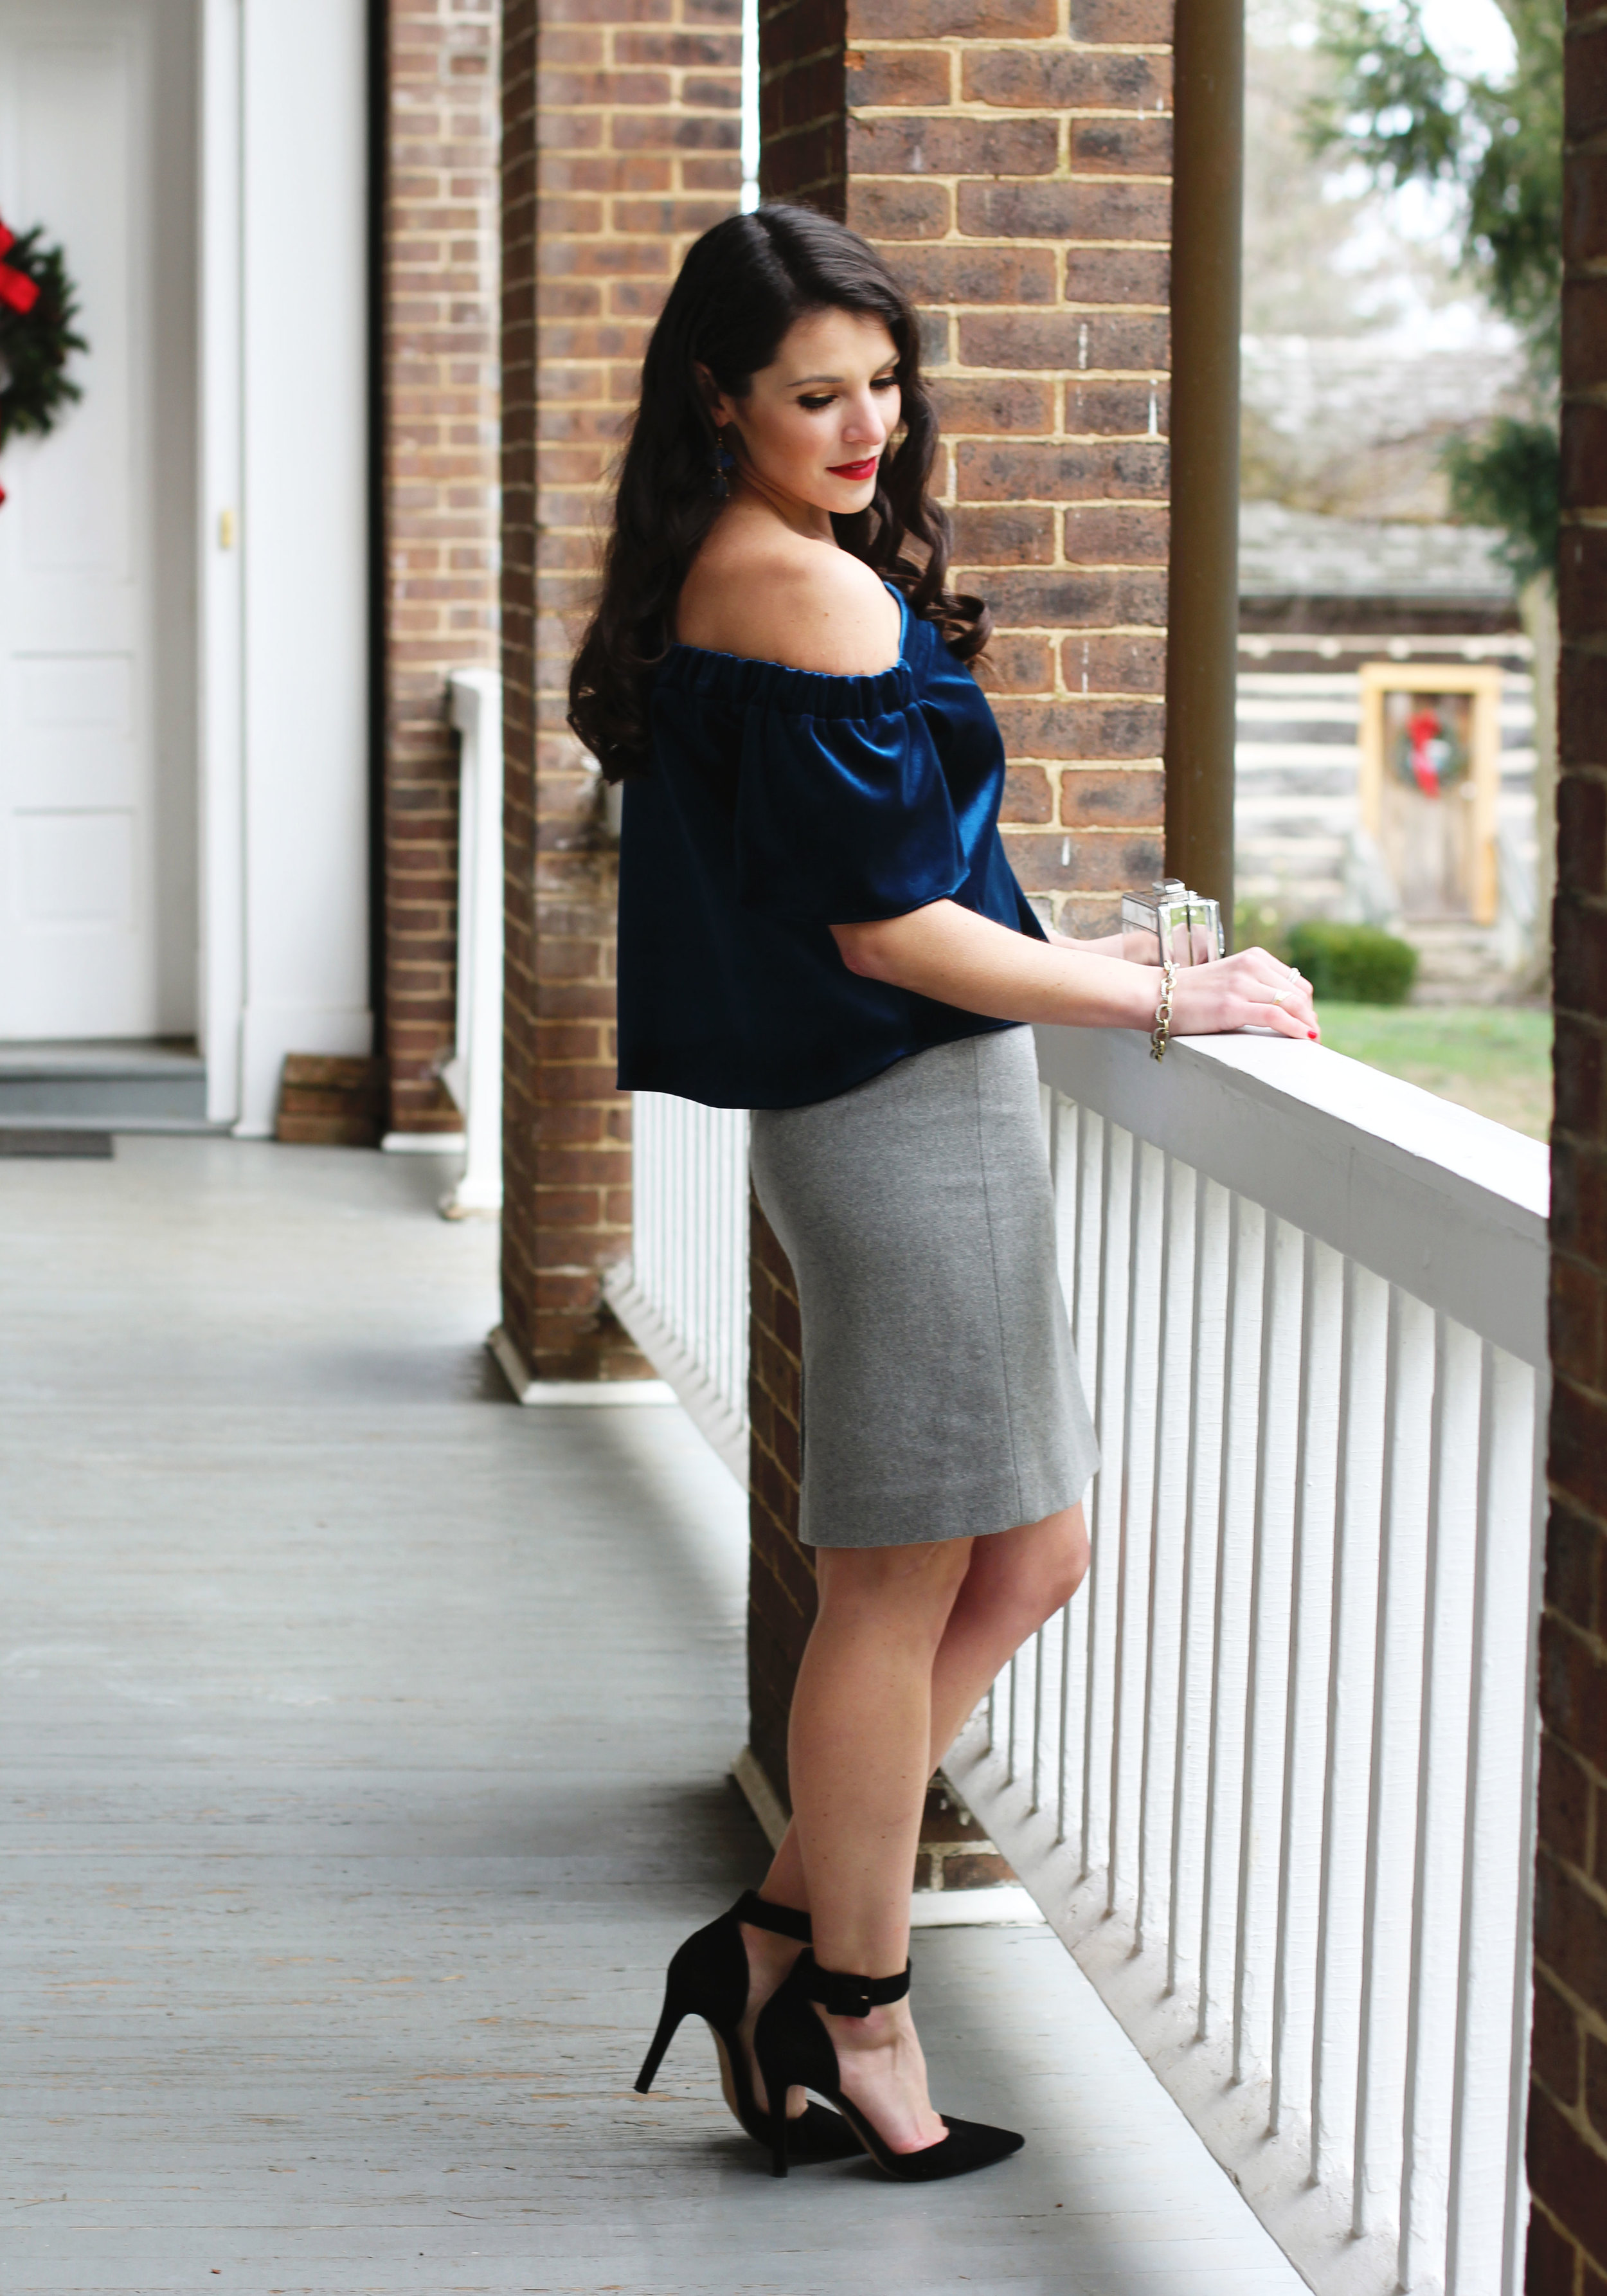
(364, 1741)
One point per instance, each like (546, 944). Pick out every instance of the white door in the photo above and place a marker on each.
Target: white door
(98, 901)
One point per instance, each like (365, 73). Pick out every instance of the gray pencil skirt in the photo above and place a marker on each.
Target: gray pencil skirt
(941, 1395)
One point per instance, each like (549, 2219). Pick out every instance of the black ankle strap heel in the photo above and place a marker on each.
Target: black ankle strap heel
(708, 1978)
(840, 1996)
(795, 2050)
(781, 1921)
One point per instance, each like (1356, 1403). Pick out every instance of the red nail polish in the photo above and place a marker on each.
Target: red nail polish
(1312, 1034)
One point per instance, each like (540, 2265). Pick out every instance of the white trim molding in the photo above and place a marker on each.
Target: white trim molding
(568, 1391)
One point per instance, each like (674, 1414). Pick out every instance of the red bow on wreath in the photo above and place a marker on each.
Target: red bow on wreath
(16, 288)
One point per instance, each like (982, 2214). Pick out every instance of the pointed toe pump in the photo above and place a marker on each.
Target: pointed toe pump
(795, 2050)
(708, 1978)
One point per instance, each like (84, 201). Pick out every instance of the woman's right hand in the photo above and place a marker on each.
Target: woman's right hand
(1250, 989)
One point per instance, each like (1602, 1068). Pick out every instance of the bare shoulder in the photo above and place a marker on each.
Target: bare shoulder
(790, 599)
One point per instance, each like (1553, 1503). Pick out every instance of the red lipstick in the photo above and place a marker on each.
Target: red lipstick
(853, 471)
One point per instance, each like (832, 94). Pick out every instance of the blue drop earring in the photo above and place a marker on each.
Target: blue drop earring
(722, 462)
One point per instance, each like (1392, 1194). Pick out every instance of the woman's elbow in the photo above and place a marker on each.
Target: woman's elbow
(866, 949)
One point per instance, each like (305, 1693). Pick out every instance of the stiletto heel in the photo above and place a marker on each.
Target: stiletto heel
(674, 2011)
(795, 2050)
(708, 1978)
(778, 2140)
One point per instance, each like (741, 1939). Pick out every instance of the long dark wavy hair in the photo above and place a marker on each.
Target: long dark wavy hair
(741, 288)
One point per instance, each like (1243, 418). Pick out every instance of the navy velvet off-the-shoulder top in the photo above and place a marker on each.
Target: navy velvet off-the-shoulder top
(777, 803)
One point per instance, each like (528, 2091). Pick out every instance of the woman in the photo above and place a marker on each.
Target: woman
(818, 922)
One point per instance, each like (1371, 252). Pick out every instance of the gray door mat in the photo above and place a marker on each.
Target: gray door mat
(29, 1140)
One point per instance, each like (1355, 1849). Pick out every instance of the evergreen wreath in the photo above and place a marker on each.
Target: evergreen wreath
(38, 304)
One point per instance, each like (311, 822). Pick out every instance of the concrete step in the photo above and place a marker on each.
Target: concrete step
(140, 1086)
(1458, 964)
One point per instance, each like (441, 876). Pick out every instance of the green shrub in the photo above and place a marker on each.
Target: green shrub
(1355, 963)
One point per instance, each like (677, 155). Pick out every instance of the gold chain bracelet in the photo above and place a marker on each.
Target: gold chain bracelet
(1163, 1010)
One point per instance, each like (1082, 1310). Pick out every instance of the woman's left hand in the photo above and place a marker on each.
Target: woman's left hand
(1250, 989)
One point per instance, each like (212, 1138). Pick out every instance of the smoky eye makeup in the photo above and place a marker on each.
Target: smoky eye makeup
(815, 403)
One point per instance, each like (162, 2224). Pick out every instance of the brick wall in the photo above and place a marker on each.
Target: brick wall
(1568, 2098)
(781, 1575)
(1010, 161)
(438, 487)
(621, 144)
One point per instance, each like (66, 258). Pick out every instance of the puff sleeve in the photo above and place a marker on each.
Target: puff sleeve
(843, 814)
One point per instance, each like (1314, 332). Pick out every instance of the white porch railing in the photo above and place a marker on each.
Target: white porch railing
(683, 1295)
(1271, 1774)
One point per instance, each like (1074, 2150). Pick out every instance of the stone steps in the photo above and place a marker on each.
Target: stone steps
(141, 1085)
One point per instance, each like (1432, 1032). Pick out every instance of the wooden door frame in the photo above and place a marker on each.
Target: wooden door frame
(1484, 682)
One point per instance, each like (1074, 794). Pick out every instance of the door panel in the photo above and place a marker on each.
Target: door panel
(97, 751)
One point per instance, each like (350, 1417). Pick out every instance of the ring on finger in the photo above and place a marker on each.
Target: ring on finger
(1281, 993)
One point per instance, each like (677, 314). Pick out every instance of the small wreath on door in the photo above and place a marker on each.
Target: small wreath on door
(38, 304)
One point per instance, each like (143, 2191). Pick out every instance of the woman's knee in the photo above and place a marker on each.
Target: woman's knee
(1069, 1565)
(1026, 1576)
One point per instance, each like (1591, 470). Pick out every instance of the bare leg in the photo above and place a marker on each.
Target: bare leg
(871, 1718)
(1014, 1581)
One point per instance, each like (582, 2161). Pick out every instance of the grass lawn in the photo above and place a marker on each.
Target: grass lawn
(1494, 1058)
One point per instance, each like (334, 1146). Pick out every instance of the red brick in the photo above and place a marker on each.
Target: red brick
(1004, 403)
(1119, 275)
(1580, 1068)
(1100, 340)
(976, 274)
(1077, 600)
(1080, 729)
(1578, 1432)
(1090, 798)
(1056, 864)
(1584, 332)
(1585, 207)
(1551, 2264)
(1582, 825)
(1556, 2051)
(1016, 665)
(1129, 533)
(937, 19)
(1110, 409)
(1570, 1932)
(1576, 1323)
(1585, 452)
(898, 76)
(1126, 469)
(1028, 796)
(1105, 662)
(1581, 955)
(1059, 211)
(1133, 147)
(1584, 84)
(892, 210)
(1582, 584)
(1004, 534)
(1565, 1797)
(950, 146)
(1056, 78)
(1595, 2085)
(1567, 2174)
(1137, 23)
